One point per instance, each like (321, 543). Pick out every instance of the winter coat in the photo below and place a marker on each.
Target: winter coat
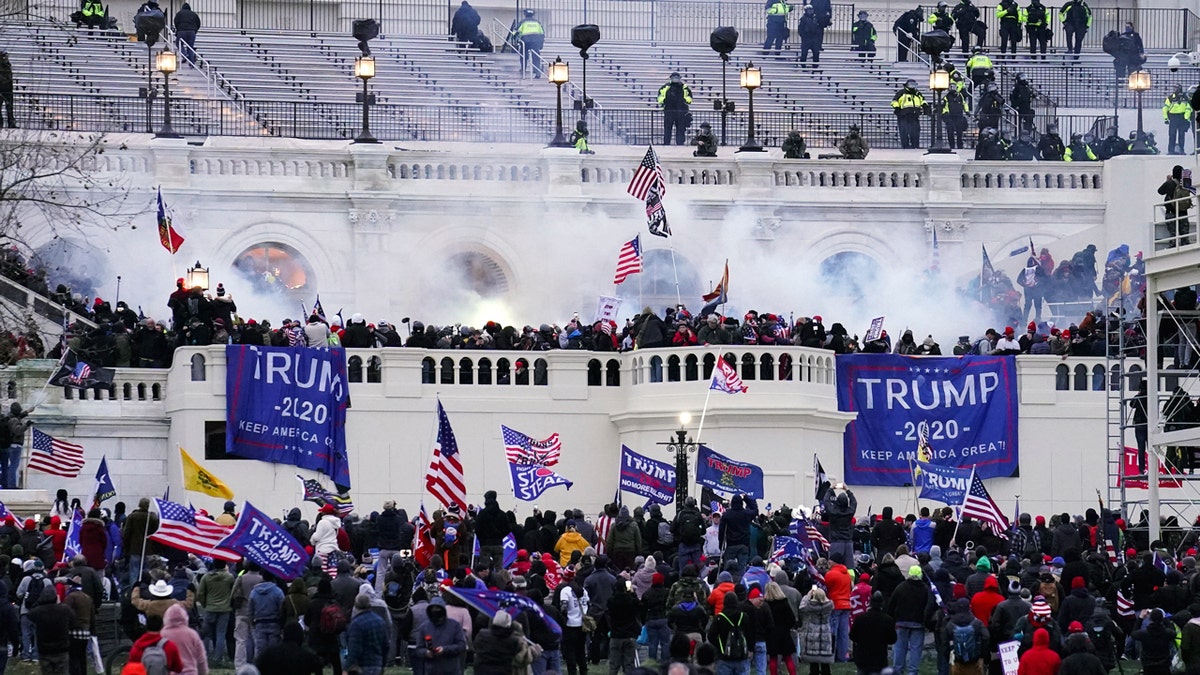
(186, 640)
(872, 633)
(568, 542)
(887, 534)
(922, 535)
(1078, 606)
(624, 537)
(909, 603)
(837, 583)
(388, 528)
(296, 526)
(779, 639)
(491, 525)
(735, 526)
(1189, 644)
(187, 20)
(448, 636)
(839, 512)
(985, 601)
(266, 603)
(816, 642)
(325, 535)
(138, 525)
(93, 542)
(216, 591)
(1082, 662)
(962, 616)
(496, 648)
(1040, 660)
(1157, 640)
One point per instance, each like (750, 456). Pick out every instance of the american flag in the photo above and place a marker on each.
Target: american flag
(980, 505)
(81, 372)
(726, 379)
(629, 260)
(444, 479)
(521, 449)
(1114, 556)
(1124, 605)
(315, 492)
(808, 533)
(53, 456)
(180, 527)
(603, 524)
(649, 173)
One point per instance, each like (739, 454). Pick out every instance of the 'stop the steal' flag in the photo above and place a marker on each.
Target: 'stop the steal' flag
(647, 477)
(945, 484)
(969, 403)
(261, 541)
(288, 406)
(530, 480)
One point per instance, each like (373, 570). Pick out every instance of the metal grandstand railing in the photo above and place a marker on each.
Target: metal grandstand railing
(328, 121)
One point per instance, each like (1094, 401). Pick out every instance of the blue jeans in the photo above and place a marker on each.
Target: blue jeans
(28, 639)
(846, 548)
(906, 657)
(265, 635)
(760, 658)
(839, 630)
(739, 553)
(550, 660)
(135, 566)
(733, 667)
(689, 554)
(216, 624)
(660, 639)
(10, 463)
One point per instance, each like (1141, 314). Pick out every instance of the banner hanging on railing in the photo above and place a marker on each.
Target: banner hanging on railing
(969, 404)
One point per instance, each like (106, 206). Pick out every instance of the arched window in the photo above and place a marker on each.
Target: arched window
(853, 273)
(673, 368)
(477, 273)
(541, 374)
(199, 373)
(354, 368)
(156, 391)
(691, 368)
(503, 374)
(785, 367)
(447, 370)
(748, 367)
(1081, 378)
(656, 368)
(766, 367)
(273, 267)
(594, 374)
(375, 370)
(710, 362)
(141, 391)
(485, 371)
(466, 372)
(1098, 378)
(1062, 377)
(428, 368)
(127, 391)
(521, 366)
(612, 375)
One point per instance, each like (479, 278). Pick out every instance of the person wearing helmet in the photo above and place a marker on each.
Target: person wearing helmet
(979, 67)
(675, 97)
(1078, 150)
(777, 28)
(956, 108)
(991, 107)
(794, 146)
(705, 142)
(1076, 19)
(1050, 146)
(1021, 100)
(987, 148)
(862, 34)
(907, 29)
(1037, 27)
(966, 19)
(1023, 149)
(579, 139)
(531, 36)
(1112, 145)
(854, 146)
(908, 104)
(941, 19)
(1177, 113)
(1010, 15)
(812, 35)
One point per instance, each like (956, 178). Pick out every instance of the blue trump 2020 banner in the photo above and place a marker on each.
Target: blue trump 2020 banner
(288, 406)
(649, 478)
(262, 542)
(945, 484)
(969, 404)
(726, 475)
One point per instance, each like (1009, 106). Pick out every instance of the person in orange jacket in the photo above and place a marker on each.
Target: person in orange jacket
(838, 585)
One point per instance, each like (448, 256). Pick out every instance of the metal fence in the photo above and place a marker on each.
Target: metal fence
(325, 121)
(1160, 28)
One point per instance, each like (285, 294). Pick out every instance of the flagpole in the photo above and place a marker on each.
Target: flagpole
(963, 505)
(913, 474)
(703, 411)
(671, 247)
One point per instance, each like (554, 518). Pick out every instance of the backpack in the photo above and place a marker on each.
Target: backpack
(691, 530)
(735, 649)
(664, 533)
(333, 619)
(32, 592)
(966, 644)
(394, 596)
(1111, 43)
(154, 658)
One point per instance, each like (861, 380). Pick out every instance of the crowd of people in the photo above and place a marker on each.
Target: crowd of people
(708, 590)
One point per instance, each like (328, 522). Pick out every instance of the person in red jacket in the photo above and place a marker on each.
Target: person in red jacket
(93, 540)
(838, 584)
(58, 536)
(860, 598)
(716, 599)
(1040, 660)
(986, 600)
(154, 624)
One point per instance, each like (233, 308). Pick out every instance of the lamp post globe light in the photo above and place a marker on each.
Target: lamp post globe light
(558, 73)
(939, 82)
(364, 69)
(1139, 81)
(166, 62)
(751, 79)
(681, 444)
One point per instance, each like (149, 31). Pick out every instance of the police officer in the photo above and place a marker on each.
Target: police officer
(777, 28)
(579, 139)
(956, 107)
(6, 88)
(1021, 100)
(532, 35)
(794, 146)
(1112, 145)
(675, 97)
(908, 104)
(862, 34)
(991, 106)
(1078, 151)
(1037, 27)
(854, 146)
(705, 142)
(1009, 14)
(93, 14)
(941, 19)
(966, 16)
(812, 35)
(1076, 19)
(1050, 147)
(907, 30)
(1177, 113)
(1023, 149)
(979, 68)
(988, 147)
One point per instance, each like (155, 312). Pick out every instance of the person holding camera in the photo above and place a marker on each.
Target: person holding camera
(675, 97)
(838, 508)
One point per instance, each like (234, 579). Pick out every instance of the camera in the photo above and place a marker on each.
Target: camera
(1173, 63)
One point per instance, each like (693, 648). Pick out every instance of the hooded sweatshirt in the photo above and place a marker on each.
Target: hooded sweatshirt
(1040, 660)
(986, 600)
(570, 541)
(187, 641)
(325, 535)
(174, 661)
(266, 601)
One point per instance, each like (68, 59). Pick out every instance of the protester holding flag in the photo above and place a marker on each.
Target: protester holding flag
(139, 525)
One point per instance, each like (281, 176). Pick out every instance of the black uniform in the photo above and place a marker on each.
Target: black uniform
(991, 107)
(1037, 26)
(1021, 99)
(1050, 147)
(955, 109)
(909, 24)
(966, 19)
(1009, 13)
(1076, 18)
(812, 34)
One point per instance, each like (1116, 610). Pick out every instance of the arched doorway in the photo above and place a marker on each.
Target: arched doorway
(276, 268)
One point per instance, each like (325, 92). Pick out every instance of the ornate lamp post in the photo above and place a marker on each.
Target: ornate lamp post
(197, 276)
(364, 69)
(559, 73)
(1139, 81)
(939, 81)
(166, 63)
(751, 79)
(681, 444)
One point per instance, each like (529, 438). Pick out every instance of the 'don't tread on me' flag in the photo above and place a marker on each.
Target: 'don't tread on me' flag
(197, 479)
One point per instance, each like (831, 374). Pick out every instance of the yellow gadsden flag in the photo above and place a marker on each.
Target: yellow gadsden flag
(197, 479)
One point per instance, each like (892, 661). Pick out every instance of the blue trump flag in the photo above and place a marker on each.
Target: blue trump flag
(788, 548)
(529, 481)
(649, 478)
(288, 406)
(510, 550)
(726, 475)
(489, 602)
(945, 484)
(72, 547)
(258, 539)
(968, 402)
